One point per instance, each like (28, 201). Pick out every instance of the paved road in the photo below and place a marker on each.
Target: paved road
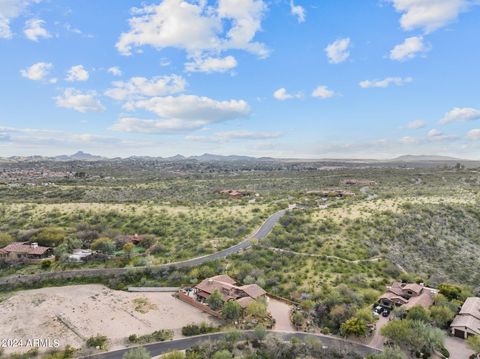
(261, 233)
(156, 349)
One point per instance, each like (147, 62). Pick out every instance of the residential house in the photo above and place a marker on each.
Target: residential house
(227, 286)
(79, 255)
(25, 251)
(467, 322)
(407, 295)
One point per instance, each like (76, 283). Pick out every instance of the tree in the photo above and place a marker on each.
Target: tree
(128, 249)
(49, 236)
(474, 343)
(138, 353)
(298, 319)
(174, 355)
(418, 313)
(104, 245)
(441, 316)
(233, 336)
(354, 326)
(5, 239)
(450, 291)
(215, 300)
(257, 309)
(260, 332)
(231, 310)
(389, 353)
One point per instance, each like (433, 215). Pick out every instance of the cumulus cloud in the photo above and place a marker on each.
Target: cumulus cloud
(281, 94)
(197, 27)
(34, 30)
(337, 51)
(323, 92)
(436, 135)
(37, 72)
(211, 64)
(9, 10)
(79, 101)
(429, 15)
(115, 71)
(474, 134)
(408, 49)
(184, 112)
(297, 11)
(138, 87)
(77, 73)
(407, 140)
(416, 124)
(398, 81)
(460, 114)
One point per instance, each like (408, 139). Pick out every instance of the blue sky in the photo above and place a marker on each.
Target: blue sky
(311, 79)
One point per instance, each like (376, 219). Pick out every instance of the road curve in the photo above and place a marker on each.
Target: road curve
(261, 233)
(156, 349)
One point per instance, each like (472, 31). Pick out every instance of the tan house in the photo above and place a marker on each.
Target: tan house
(407, 295)
(25, 251)
(226, 285)
(467, 322)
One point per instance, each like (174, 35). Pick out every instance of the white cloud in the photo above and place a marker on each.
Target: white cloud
(408, 49)
(79, 101)
(429, 15)
(211, 64)
(196, 27)
(337, 51)
(11, 9)
(297, 11)
(323, 92)
(416, 124)
(461, 114)
(77, 73)
(398, 81)
(37, 72)
(34, 30)
(281, 94)
(234, 135)
(115, 71)
(181, 113)
(474, 134)
(436, 135)
(407, 140)
(138, 87)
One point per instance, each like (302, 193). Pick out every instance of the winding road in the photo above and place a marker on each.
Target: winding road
(156, 349)
(261, 233)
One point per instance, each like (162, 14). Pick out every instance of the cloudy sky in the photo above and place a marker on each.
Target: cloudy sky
(282, 78)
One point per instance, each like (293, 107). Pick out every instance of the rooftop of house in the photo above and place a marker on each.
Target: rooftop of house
(226, 285)
(471, 307)
(400, 293)
(466, 321)
(24, 248)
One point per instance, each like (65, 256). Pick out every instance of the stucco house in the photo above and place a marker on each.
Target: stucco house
(467, 322)
(25, 251)
(407, 295)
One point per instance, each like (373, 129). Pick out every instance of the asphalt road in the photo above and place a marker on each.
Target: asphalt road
(156, 349)
(261, 233)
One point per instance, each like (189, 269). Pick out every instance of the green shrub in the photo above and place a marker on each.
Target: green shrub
(98, 341)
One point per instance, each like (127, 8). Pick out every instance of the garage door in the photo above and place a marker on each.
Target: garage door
(459, 333)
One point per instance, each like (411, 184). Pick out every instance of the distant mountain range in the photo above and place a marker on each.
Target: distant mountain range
(208, 157)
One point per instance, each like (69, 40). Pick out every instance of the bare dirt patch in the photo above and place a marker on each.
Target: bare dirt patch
(75, 313)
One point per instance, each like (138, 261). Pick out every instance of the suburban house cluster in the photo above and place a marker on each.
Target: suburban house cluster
(407, 295)
(228, 288)
(467, 322)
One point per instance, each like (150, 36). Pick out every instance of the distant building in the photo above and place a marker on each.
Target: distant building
(233, 193)
(79, 255)
(408, 295)
(25, 251)
(467, 322)
(361, 182)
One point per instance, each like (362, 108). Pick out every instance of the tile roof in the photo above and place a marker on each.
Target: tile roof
(467, 321)
(24, 248)
(253, 290)
(471, 307)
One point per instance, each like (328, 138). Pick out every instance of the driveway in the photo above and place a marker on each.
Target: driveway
(377, 339)
(280, 311)
(458, 348)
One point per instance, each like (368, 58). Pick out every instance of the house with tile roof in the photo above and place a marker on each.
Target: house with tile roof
(25, 251)
(407, 295)
(467, 322)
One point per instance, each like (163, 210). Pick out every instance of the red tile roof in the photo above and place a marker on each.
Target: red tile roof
(25, 248)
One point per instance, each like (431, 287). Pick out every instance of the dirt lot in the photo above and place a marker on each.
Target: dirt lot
(74, 313)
